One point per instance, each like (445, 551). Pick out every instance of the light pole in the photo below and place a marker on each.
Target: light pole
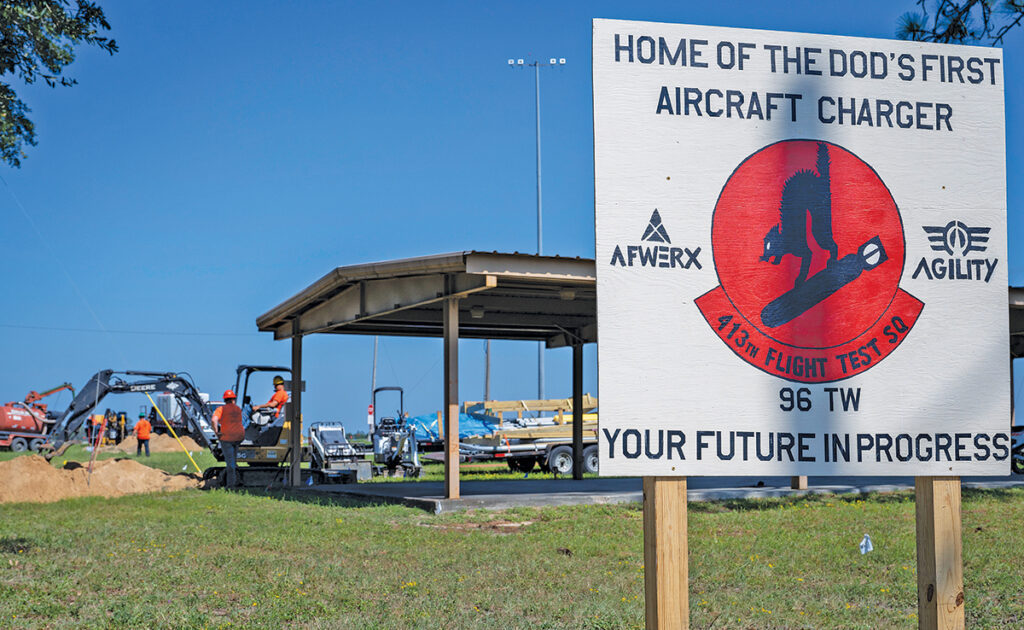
(537, 65)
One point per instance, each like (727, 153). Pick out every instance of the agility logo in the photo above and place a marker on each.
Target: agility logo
(656, 255)
(957, 241)
(809, 249)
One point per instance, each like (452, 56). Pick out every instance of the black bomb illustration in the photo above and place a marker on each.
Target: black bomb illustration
(809, 248)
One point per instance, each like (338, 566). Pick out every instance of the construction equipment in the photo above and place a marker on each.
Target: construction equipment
(166, 407)
(25, 424)
(116, 426)
(265, 448)
(332, 453)
(394, 442)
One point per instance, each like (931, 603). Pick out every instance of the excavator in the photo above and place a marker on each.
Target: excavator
(265, 448)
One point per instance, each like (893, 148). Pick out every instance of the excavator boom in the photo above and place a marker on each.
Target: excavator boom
(107, 382)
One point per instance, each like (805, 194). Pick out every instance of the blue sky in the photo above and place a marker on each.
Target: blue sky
(234, 152)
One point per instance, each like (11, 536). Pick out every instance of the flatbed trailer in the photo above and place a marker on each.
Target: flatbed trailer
(546, 445)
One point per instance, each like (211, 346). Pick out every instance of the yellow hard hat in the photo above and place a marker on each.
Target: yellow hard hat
(278, 381)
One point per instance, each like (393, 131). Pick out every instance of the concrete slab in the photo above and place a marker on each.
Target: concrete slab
(510, 493)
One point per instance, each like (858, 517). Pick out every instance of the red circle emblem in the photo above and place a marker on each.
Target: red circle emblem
(809, 248)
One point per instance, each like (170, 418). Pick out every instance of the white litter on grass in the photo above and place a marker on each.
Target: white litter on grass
(865, 545)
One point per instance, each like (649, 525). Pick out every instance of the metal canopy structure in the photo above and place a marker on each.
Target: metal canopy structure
(502, 296)
(470, 294)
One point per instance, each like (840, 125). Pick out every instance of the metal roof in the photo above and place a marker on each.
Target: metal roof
(502, 296)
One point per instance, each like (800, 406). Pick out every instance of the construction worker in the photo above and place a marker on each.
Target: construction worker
(95, 421)
(142, 429)
(227, 423)
(278, 400)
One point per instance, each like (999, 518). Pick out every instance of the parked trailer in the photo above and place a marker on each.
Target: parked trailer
(546, 445)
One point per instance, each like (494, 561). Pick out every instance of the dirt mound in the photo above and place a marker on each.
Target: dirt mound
(31, 478)
(158, 443)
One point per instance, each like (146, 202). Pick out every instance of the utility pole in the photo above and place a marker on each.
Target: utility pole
(373, 375)
(487, 370)
(537, 65)
(373, 386)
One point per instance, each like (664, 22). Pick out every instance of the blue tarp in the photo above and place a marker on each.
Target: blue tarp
(470, 425)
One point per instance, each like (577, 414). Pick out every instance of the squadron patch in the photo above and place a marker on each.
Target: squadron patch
(809, 249)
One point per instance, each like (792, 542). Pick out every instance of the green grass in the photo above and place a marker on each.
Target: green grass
(491, 471)
(178, 462)
(217, 559)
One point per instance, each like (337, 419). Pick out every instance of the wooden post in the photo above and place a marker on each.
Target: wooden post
(577, 411)
(666, 571)
(940, 567)
(295, 408)
(451, 398)
(798, 482)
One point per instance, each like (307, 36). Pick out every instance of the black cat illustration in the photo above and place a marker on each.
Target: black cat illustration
(804, 193)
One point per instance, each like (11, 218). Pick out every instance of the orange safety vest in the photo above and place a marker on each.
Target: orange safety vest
(281, 398)
(229, 418)
(142, 428)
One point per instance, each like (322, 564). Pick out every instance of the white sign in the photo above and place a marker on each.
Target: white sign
(801, 254)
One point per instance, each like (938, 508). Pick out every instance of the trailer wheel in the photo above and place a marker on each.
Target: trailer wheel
(560, 460)
(19, 445)
(590, 459)
(36, 443)
(1017, 464)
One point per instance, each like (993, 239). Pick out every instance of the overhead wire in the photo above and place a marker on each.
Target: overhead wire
(167, 333)
(52, 254)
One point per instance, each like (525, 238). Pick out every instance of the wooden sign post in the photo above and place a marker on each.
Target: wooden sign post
(940, 567)
(666, 569)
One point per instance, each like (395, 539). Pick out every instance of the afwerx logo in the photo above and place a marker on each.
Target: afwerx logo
(655, 255)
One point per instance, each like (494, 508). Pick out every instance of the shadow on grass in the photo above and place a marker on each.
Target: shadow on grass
(16, 544)
(814, 499)
(313, 498)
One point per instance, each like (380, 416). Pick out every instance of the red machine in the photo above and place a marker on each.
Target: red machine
(25, 424)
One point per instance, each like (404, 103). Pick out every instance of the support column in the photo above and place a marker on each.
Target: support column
(798, 482)
(295, 408)
(451, 398)
(940, 566)
(577, 410)
(666, 569)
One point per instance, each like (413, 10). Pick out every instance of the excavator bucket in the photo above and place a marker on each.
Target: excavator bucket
(47, 450)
